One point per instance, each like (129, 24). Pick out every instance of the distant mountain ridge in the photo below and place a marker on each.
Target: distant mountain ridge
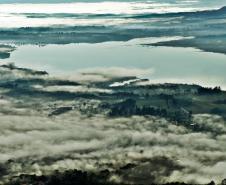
(223, 9)
(213, 12)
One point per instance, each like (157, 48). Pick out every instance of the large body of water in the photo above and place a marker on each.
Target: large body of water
(172, 65)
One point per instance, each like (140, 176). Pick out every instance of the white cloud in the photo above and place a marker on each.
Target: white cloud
(118, 71)
(73, 141)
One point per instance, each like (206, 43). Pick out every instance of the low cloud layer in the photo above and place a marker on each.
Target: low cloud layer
(117, 71)
(35, 144)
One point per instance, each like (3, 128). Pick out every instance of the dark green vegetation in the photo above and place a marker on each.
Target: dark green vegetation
(5, 51)
(76, 177)
(73, 177)
(176, 102)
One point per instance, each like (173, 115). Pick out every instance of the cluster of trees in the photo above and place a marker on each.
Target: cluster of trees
(129, 108)
(134, 110)
(76, 177)
(206, 90)
(70, 177)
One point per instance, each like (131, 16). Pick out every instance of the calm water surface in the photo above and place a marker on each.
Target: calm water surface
(176, 65)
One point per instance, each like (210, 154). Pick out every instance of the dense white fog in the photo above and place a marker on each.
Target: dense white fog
(36, 145)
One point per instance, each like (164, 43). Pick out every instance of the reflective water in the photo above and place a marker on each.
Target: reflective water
(177, 65)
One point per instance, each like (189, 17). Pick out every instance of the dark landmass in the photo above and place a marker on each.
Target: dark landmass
(4, 55)
(207, 43)
(203, 13)
(76, 177)
(5, 51)
(12, 67)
